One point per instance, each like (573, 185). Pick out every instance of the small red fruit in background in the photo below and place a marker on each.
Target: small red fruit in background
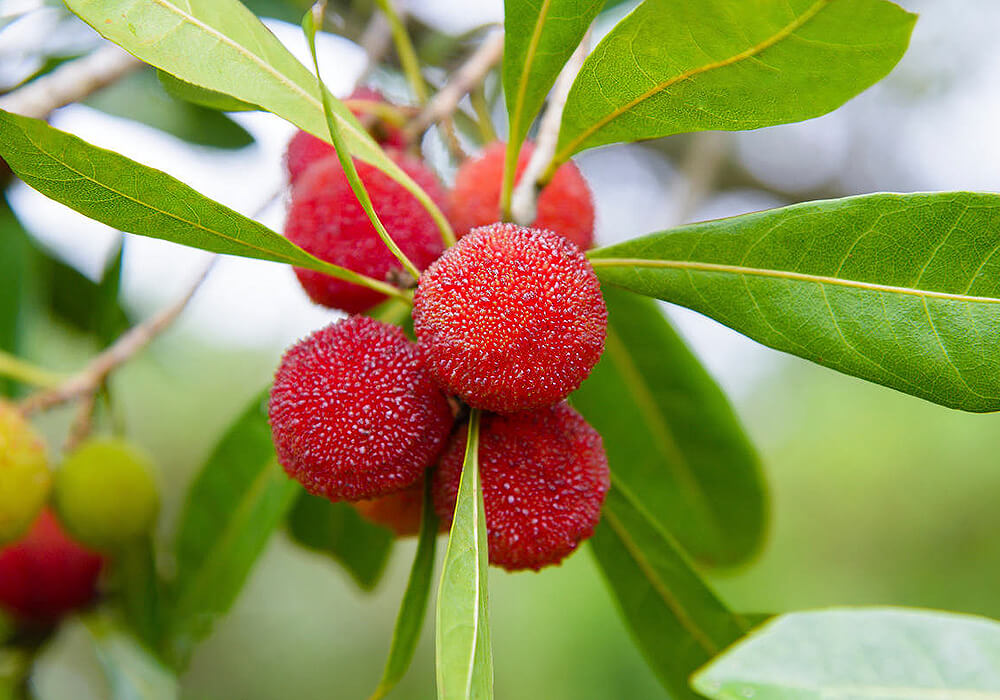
(47, 575)
(399, 512)
(304, 149)
(510, 318)
(565, 205)
(544, 479)
(353, 412)
(326, 219)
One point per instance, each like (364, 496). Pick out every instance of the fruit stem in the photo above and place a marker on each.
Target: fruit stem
(507, 186)
(405, 51)
(15, 368)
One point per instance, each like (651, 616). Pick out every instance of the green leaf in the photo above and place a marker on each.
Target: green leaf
(674, 66)
(15, 250)
(338, 530)
(464, 653)
(221, 46)
(860, 654)
(902, 290)
(132, 672)
(540, 36)
(234, 505)
(125, 195)
(671, 436)
(210, 99)
(140, 590)
(675, 618)
(140, 97)
(414, 607)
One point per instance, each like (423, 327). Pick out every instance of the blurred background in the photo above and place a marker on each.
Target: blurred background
(877, 498)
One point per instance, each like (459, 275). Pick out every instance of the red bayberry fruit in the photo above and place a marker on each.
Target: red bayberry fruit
(399, 512)
(304, 149)
(510, 318)
(353, 412)
(564, 206)
(46, 574)
(544, 478)
(327, 220)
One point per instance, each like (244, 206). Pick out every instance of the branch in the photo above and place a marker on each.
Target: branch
(466, 78)
(70, 82)
(700, 169)
(524, 201)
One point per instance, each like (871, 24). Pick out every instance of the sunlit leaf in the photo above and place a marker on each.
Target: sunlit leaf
(902, 290)
(671, 436)
(860, 654)
(177, 88)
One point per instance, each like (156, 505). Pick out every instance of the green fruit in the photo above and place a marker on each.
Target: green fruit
(25, 478)
(105, 493)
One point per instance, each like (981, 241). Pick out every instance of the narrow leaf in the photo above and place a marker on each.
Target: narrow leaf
(675, 618)
(232, 508)
(336, 529)
(464, 654)
(132, 672)
(673, 66)
(902, 290)
(125, 195)
(220, 45)
(414, 607)
(672, 437)
(860, 654)
(140, 591)
(210, 99)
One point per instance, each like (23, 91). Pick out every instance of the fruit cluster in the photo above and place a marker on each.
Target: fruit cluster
(510, 320)
(104, 498)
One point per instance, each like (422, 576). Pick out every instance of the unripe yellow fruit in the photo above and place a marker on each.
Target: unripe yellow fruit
(105, 493)
(25, 478)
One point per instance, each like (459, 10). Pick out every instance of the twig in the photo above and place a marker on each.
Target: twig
(404, 49)
(70, 82)
(376, 40)
(86, 382)
(700, 169)
(524, 201)
(465, 79)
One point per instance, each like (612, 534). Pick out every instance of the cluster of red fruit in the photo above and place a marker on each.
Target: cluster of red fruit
(509, 320)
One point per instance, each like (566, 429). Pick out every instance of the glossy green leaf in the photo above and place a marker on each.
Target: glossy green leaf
(674, 66)
(860, 654)
(671, 436)
(540, 36)
(464, 653)
(140, 97)
(181, 90)
(413, 609)
(121, 193)
(220, 45)
(674, 617)
(232, 508)
(336, 529)
(902, 290)
(133, 673)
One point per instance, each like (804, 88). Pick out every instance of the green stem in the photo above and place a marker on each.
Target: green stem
(27, 373)
(405, 51)
(509, 170)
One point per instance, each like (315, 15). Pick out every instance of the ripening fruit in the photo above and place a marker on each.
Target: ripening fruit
(544, 478)
(510, 318)
(399, 512)
(353, 412)
(24, 474)
(46, 574)
(106, 494)
(304, 149)
(327, 220)
(565, 205)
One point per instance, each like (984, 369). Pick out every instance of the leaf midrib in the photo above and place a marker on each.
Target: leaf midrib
(529, 57)
(778, 36)
(789, 275)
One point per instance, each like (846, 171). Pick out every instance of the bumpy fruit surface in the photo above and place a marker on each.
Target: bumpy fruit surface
(327, 220)
(544, 479)
(399, 512)
(354, 413)
(565, 205)
(24, 474)
(510, 318)
(304, 149)
(46, 574)
(106, 494)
